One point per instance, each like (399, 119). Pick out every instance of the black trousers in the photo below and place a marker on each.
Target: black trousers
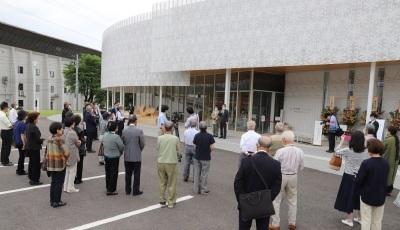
(132, 167)
(79, 169)
(332, 140)
(261, 223)
(6, 138)
(34, 165)
(21, 159)
(223, 129)
(57, 181)
(89, 140)
(111, 167)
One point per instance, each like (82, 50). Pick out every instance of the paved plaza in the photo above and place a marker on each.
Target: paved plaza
(27, 207)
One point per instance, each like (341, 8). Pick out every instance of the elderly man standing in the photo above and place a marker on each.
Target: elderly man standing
(168, 154)
(277, 138)
(248, 141)
(12, 114)
(6, 130)
(204, 145)
(248, 179)
(292, 160)
(188, 137)
(133, 139)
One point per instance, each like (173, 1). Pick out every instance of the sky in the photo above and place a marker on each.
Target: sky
(77, 21)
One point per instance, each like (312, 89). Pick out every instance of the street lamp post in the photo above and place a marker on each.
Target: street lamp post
(76, 82)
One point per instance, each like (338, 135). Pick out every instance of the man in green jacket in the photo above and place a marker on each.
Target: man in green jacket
(168, 155)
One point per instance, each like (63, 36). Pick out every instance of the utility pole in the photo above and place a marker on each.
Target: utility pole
(76, 81)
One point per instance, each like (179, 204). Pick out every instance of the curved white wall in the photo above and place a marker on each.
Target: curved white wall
(221, 34)
(126, 57)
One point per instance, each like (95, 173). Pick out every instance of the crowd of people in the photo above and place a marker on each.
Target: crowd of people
(268, 165)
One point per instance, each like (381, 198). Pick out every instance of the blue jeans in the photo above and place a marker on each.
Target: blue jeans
(189, 154)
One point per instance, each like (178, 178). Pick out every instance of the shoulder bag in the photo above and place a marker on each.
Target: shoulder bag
(339, 132)
(257, 204)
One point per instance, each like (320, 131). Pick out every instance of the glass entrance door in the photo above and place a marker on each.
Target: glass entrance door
(262, 110)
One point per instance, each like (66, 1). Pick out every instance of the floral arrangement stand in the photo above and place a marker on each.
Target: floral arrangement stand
(350, 117)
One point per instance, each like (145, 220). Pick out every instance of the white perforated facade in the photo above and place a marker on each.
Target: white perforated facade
(181, 37)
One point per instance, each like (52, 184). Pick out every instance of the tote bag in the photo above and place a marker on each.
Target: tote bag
(256, 204)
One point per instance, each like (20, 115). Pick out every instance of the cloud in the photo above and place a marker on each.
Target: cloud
(76, 21)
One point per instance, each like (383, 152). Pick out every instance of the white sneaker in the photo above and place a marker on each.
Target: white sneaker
(348, 222)
(73, 190)
(357, 219)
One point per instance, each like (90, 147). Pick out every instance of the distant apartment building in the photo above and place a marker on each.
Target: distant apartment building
(31, 68)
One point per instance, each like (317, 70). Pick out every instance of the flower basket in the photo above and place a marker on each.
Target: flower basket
(395, 118)
(350, 117)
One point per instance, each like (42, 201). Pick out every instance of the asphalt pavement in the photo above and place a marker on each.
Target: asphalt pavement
(25, 207)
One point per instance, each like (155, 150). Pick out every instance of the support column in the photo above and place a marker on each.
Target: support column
(272, 113)
(120, 95)
(123, 96)
(227, 88)
(112, 96)
(107, 100)
(159, 106)
(370, 90)
(250, 114)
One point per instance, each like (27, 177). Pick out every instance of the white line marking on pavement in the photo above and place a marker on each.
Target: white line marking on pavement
(125, 215)
(48, 185)
(2, 166)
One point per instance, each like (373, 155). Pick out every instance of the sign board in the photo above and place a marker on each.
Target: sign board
(317, 140)
(380, 133)
(375, 104)
(352, 103)
(331, 102)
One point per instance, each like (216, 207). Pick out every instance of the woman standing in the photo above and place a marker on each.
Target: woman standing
(371, 182)
(56, 159)
(215, 121)
(82, 148)
(72, 143)
(33, 146)
(347, 199)
(102, 130)
(20, 140)
(333, 125)
(113, 148)
(392, 156)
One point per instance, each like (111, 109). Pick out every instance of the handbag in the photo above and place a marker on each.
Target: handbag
(256, 204)
(44, 161)
(339, 132)
(336, 162)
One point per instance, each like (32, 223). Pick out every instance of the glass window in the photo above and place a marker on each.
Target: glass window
(220, 82)
(37, 88)
(20, 69)
(234, 81)
(269, 82)
(243, 111)
(244, 80)
(51, 89)
(380, 85)
(350, 91)
(208, 97)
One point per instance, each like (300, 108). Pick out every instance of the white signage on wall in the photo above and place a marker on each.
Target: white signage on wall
(380, 133)
(317, 140)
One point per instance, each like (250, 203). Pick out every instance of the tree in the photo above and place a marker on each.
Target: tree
(89, 78)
